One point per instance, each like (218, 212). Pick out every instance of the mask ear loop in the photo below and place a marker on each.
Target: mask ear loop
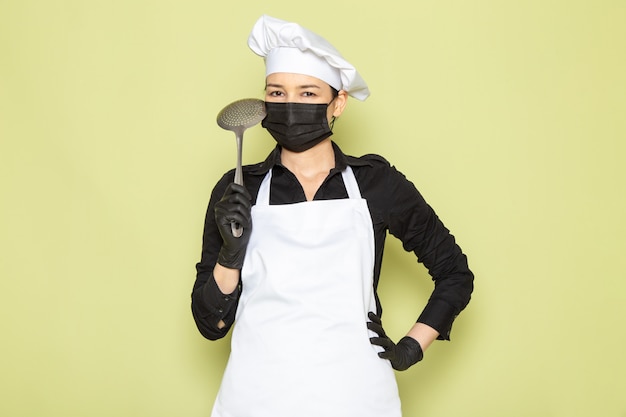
(331, 125)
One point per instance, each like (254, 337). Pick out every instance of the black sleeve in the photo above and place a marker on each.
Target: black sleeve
(208, 304)
(421, 231)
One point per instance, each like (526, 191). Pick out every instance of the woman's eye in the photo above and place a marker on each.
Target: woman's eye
(308, 94)
(275, 93)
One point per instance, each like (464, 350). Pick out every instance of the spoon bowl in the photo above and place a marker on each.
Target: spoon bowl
(237, 117)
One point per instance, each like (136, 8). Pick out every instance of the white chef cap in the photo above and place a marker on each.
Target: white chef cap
(288, 47)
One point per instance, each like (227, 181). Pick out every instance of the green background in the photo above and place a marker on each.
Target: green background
(509, 116)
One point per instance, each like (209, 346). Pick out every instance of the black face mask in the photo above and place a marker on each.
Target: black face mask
(297, 126)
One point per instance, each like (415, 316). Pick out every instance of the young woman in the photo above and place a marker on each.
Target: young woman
(301, 281)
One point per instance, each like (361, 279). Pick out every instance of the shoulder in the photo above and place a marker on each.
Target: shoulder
(375, 167)
(383, 185)
(371, 166)
(375, 173)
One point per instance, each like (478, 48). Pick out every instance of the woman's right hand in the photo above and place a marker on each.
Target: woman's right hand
(233, 207)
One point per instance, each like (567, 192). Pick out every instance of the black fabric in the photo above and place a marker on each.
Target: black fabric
(297, 126)
(396, 207)
(402, 355)
(233, 209)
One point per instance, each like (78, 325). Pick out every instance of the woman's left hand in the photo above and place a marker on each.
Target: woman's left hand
(404, 354)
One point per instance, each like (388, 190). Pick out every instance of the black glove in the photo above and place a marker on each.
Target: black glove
(234, 207)
(402, 355)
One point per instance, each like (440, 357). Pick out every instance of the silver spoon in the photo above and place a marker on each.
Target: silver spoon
(237, 117)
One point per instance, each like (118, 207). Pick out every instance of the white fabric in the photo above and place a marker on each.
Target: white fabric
(295, 61)
(300, 345)
(305, 53)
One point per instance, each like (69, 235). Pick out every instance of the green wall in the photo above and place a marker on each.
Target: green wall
(509, 116)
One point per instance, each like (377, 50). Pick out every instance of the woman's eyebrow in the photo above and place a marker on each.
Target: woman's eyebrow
(301, 87)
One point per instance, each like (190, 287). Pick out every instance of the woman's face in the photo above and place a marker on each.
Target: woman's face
(286, 87)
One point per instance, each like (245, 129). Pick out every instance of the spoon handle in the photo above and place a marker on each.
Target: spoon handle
(236, 228)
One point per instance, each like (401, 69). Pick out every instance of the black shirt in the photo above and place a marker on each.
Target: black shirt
(395, 206)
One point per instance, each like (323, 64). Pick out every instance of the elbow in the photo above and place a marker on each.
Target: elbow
(210, 331)
(210, 334)
(208, 326)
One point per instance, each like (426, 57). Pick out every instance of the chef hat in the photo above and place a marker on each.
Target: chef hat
(288, 47)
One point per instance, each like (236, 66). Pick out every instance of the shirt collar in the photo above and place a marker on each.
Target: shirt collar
(341, 161)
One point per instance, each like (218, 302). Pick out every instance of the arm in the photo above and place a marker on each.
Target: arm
(415, 223)
(405, 214)
(409, 350)
(216, 290)
(227, 280)
(424, 334)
